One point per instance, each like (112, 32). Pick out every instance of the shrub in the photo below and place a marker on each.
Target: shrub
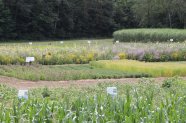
(122, 55)
(46, 93)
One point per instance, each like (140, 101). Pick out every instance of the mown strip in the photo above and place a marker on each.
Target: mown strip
(63, 72)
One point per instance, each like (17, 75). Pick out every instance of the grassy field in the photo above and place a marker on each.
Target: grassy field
(160, 69)
(150, 35)
(56, 54)
(144, 102)
(63, 72)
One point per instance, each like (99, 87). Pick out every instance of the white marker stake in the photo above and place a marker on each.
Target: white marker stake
(30, 43)
(61, 42)
(89, 42)
(30, 59)
(171, 40)
(23, 94)
(112, 91)
(117, 42)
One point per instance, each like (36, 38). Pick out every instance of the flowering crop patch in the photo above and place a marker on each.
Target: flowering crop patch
(80, 52)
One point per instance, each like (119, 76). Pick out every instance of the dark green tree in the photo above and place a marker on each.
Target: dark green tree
(58, 19)
(7, 24)
(123, 14)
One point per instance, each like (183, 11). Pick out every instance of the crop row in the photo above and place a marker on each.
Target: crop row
(100, 109)
(142, 103)
(82, 54)
(150, 35)
(133, 106)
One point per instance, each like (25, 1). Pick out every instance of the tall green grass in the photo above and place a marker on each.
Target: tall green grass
(155, 69)
(150, 35)
(145, 102)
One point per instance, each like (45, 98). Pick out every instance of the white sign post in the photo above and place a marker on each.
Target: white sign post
(23, 94)
(30, 43)
(112, 91)
(89, 42)
(117, 42)
(61, 42)
(30, 59)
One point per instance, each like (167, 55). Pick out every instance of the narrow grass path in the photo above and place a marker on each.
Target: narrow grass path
(24, 84)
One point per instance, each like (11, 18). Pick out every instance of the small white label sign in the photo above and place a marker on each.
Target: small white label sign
(30, 59)
(112, 91)
(61, 42)
(89, 42)
(23, 94)
(30, 43)
(117, 42)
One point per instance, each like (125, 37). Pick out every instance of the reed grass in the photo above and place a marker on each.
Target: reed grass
(150, 35)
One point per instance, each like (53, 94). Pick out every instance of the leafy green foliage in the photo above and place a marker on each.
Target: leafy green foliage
(144, 102)
(45, 93)
(173, 82)
(7, 23)
(59, 19)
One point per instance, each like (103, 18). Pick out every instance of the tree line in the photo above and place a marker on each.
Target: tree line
(59, 19)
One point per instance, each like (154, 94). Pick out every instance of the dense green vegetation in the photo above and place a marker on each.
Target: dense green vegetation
(157, 50)
(150, 35)
(165, 69)
(59, 19)
(144, 102)
(64, 72)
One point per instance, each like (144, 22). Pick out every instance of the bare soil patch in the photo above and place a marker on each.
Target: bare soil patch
(26, 84)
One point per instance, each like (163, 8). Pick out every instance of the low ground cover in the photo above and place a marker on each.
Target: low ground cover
(63, 72)
(155, 69)
(144, 102)
(150, 35)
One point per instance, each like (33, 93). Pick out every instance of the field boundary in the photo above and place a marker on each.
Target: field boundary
(24, 84)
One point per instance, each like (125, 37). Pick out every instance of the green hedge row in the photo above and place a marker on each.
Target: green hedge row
(150, 35)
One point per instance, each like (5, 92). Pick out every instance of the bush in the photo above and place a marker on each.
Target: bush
(122, 55)
(46, 93)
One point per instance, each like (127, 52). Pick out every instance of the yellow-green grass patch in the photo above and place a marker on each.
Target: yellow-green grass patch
(155, 69)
